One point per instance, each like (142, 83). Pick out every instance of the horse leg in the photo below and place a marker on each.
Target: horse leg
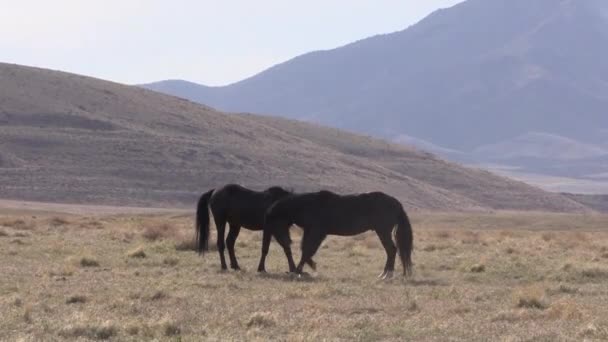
(230, 241)
(310, 244)
(221, 227)
(283, 238)
(391, 252)
(267, 236)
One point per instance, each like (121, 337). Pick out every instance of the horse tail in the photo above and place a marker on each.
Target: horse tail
(405, 241)
(202, 222)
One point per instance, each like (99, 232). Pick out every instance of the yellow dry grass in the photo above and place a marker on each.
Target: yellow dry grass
(499, 277)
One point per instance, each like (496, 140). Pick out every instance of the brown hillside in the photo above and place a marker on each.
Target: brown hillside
(69, 138)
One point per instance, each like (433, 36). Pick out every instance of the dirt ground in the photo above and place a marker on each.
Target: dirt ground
(506, 276)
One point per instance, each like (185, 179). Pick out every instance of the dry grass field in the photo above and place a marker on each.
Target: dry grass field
(499, 277)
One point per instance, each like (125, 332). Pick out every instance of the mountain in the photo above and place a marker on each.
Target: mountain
(479, 73)
(540, 145)
(70, 138)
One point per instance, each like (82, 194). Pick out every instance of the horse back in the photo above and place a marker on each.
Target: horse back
(239, 205)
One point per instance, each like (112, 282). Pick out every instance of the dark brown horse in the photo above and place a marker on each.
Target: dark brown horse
(324, 213)
(237, 206)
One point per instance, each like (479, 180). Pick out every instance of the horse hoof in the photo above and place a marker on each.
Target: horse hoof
(313, 265)
(381, 275)
(388, 275)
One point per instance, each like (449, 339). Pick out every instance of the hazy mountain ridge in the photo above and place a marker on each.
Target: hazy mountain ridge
(481, 73)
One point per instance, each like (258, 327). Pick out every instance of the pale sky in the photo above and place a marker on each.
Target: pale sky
(212, 42)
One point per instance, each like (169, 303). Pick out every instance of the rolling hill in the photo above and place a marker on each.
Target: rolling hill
(70, 138)
(480, 73)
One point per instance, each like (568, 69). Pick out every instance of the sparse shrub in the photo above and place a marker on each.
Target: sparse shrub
(566, 309)
(567, 289)
(27, 314)
(18, 302)
(132, 329)
(478, 268)
(19, 224)
(58, 221)
(169, 261)
(88, 262)
(92, 224)
(443, 234)
(595, 273)
(371, 242)
(413, 306)
(593, 331)
(510, 250)
(429, 248)
(531, 297)
(513, 316)
(358, 251)
(261, 319)
(62, 272)
(103, 331)
(471, 238)
(461, 310)
(605, 255)
(137, 253)
(548, 236)
(159, 295)
(170, 328)
(3, 233)
(77, 299)
(128, 236)
(159, 231)
(580, 236)
(185, 244)
(445, 267)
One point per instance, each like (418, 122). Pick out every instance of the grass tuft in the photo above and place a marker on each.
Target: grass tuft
(103, 331)
(478, 268)
(88, 262)
(159, 231)
(19, 224)
(185, 244)
(566, 309)
(170, 261)
(170, 328)
(137, 253)
(27, 314)
(159, 295)
(77, 299)
(595, 273)
(530, 297)
(567, 289)
(261, 319)
(58, 221)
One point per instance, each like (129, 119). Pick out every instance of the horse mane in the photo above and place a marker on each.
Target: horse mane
(326, 194)
(277, 190)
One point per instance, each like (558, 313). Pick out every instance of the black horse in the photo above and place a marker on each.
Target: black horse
(238, 206)
(324, 213)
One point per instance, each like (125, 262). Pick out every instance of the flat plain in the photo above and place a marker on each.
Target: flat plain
(499, 276)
